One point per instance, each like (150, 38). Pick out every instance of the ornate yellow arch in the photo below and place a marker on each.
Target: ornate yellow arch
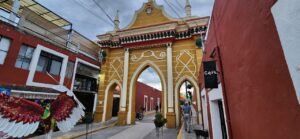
(152, 39)
(197, 92)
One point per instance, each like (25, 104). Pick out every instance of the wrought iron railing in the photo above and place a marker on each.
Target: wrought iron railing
(69, 39)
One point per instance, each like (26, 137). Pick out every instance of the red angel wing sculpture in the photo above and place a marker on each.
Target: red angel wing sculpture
(19, 117)
(66, 112)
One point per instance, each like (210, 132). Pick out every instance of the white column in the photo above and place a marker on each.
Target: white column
(170, 78)
(125, 78)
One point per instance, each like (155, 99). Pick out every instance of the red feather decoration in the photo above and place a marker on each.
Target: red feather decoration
(20, 110)
(62, 107)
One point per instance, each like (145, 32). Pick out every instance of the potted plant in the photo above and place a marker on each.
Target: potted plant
(159, 122)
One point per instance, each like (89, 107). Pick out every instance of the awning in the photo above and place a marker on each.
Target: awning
(34, 95)
(38, 9)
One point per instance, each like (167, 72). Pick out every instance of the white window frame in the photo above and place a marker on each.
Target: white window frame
(34, 62)
(10, 42)
(78, 60)
(24, 57)
(146, 102)
(151, 103)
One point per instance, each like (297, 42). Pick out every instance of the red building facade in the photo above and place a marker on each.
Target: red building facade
(36, 54)
(256, 97)
(147, 97)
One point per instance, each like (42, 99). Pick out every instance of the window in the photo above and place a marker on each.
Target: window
(4, 46)
(49, 63)
(70, 69)
(85, 83)
(24, 57)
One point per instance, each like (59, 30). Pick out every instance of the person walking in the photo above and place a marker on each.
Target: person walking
(156, 108)
(187, 112)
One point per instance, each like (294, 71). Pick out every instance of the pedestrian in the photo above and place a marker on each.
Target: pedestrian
(159, 107)
(186, 110)
(156, 108)
(142, 109)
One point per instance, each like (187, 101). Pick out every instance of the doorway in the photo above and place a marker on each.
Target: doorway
(116, 105)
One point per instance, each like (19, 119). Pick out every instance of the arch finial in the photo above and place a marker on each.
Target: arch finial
(188, 8)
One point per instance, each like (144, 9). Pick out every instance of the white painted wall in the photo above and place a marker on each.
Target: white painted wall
(204, 109)
(214, 96)
(216, 122)
(287, 20)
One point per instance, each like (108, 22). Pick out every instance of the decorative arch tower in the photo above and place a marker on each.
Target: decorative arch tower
(152, 39)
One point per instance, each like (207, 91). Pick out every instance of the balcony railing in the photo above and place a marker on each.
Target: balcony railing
(36, 25)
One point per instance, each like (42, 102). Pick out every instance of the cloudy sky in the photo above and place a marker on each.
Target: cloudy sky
(89, 20)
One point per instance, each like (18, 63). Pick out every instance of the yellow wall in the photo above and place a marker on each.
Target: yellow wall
(156, 17)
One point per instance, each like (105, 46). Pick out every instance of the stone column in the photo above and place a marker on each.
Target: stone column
(122, 115)
(171, 122)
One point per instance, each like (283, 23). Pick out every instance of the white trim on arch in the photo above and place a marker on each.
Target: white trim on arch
(195, 85)
(112, 82)
(134, 78)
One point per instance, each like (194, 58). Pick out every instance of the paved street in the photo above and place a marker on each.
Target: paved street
(143, 129)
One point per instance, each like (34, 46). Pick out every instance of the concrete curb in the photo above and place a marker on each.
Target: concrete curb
(149, 113)
(76, 135)
(179, 135)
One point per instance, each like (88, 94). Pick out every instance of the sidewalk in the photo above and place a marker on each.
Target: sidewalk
(167, 134)
(80, 130)
(192, 135)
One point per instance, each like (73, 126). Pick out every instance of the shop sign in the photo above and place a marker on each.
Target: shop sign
(210, 74)
(5, 91)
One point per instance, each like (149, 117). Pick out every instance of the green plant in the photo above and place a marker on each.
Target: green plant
(159, 120)
(189, 86)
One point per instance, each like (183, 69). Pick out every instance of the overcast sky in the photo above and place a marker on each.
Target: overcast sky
(88, 19)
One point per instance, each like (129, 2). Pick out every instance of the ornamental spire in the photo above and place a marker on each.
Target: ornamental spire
(116, 22)
(188, 8)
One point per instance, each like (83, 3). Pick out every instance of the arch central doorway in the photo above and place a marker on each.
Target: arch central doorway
(148, 92)
(133, 91)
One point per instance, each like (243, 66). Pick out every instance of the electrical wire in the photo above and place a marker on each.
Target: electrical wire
(81, 4)
(102, 9)
(178, 3)
(174, 5)
(172, 8)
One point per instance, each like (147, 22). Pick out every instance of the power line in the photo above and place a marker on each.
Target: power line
(172, 8)
(178, 3)
(177, 8)
(91, 12)
(99, 6)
